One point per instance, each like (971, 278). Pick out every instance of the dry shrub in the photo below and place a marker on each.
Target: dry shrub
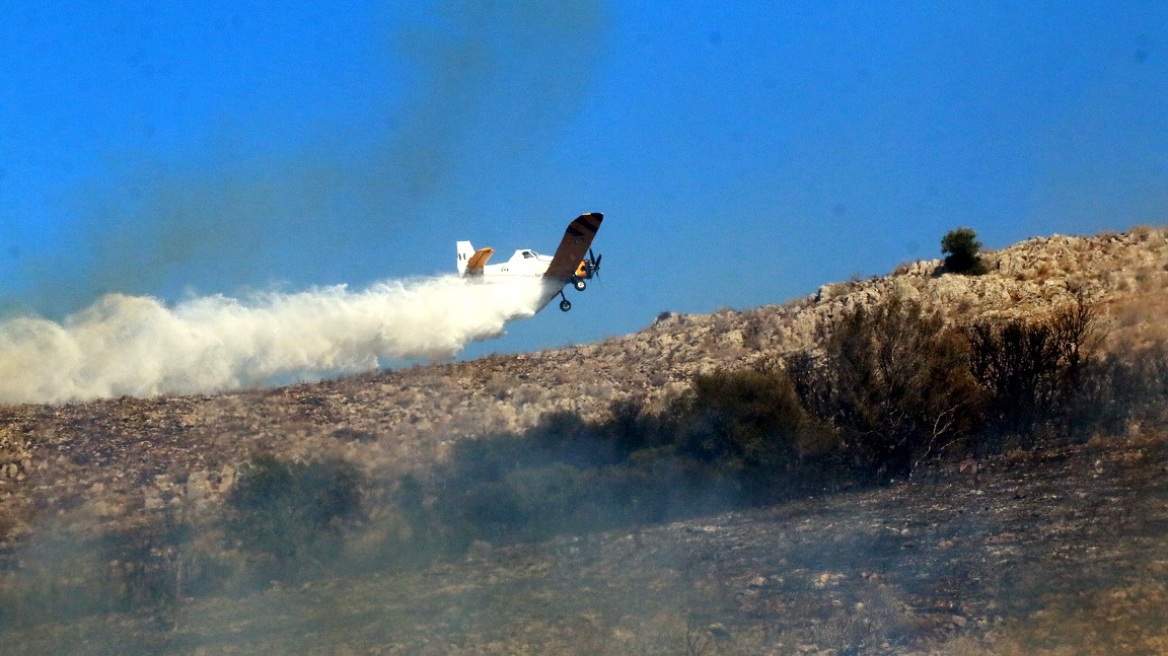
(895, 382)
(1142, 232)
(750, 416)
(903, 268)
(288, 513)
(1033, 371)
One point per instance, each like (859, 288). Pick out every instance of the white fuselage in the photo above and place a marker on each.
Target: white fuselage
(525, 262)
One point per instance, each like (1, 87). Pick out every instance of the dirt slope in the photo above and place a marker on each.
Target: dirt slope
(1057, 552)
(99, 467)
(118, 459)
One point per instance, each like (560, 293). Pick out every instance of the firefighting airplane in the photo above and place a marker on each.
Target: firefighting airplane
(568, 265)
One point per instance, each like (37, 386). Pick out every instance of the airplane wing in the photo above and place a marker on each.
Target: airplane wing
(577, 239)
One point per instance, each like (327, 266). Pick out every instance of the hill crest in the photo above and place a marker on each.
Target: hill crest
(121, 459)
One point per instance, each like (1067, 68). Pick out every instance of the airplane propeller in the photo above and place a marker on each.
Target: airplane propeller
(591, 270)
(594, 263)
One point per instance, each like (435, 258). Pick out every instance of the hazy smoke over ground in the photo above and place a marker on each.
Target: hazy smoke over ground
(133, 345)
(487, 83)
(238, 214)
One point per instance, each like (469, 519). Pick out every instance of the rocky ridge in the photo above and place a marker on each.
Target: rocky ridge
(87, 465)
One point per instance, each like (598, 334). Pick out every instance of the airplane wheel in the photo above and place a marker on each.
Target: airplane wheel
(565, 305)
(580, 285)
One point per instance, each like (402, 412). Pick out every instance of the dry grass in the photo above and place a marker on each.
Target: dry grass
(1054, 552)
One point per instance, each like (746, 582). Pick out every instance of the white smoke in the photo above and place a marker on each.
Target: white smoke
(137, 346)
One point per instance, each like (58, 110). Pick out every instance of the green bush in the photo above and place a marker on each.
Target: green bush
(961, 250)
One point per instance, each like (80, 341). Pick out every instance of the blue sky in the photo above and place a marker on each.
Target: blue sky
(742, 154)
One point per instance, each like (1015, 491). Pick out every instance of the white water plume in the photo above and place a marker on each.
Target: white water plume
(137, 346)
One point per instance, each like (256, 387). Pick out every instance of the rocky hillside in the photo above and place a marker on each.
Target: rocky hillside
(93, 465)
(1052, 552)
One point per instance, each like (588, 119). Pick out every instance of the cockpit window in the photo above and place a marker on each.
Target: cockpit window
(527, 255)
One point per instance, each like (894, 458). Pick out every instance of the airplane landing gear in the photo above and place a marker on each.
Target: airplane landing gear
(565, 304)
(579, 284)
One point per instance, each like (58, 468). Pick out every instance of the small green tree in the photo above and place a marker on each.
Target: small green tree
(960, 248)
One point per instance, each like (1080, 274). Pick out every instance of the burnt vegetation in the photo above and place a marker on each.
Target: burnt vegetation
(288, 515)
(893, 388)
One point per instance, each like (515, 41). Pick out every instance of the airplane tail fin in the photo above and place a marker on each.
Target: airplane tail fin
(465, 252)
